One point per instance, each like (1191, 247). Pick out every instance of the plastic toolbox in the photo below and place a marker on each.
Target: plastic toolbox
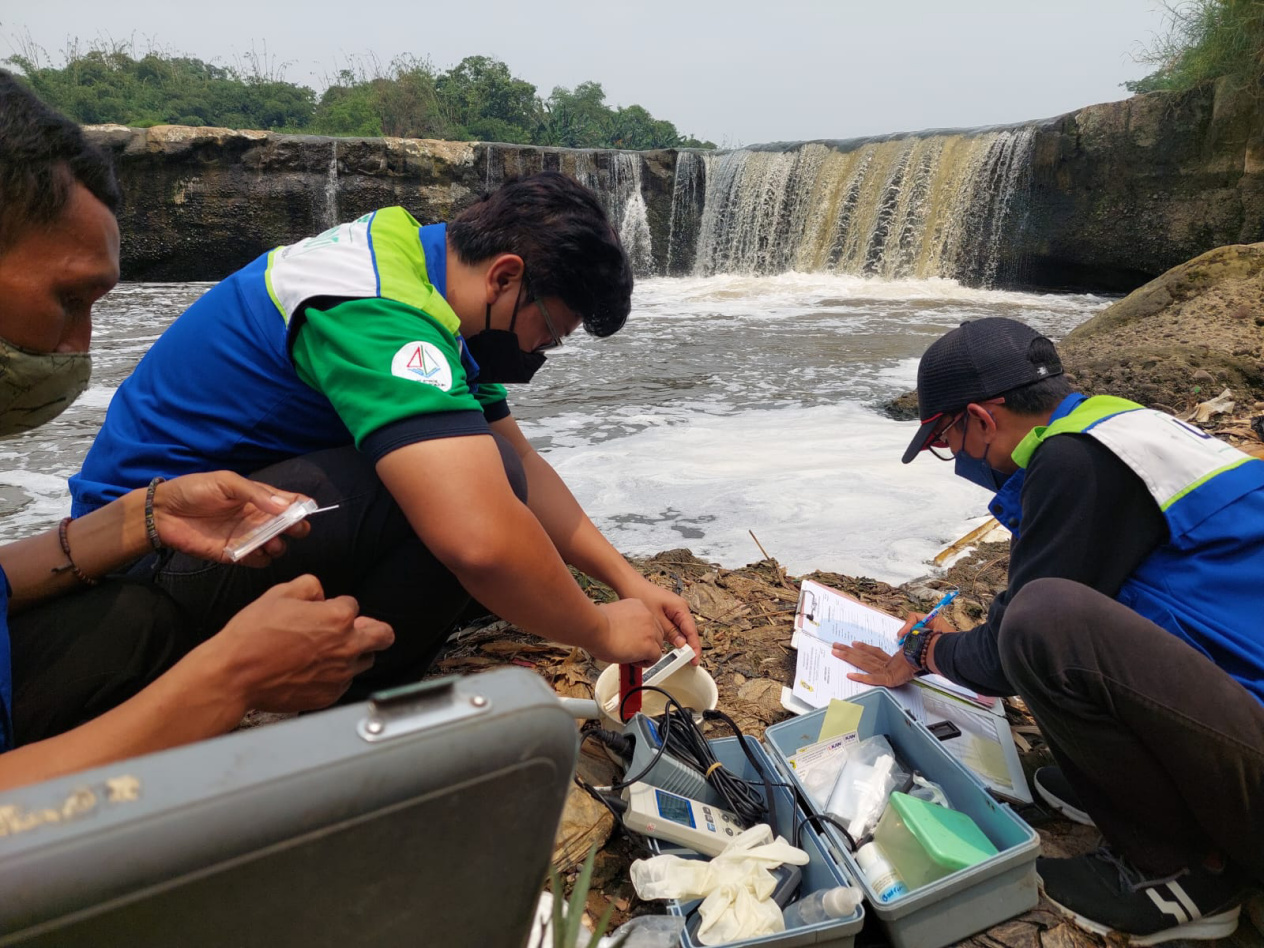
(966, 901)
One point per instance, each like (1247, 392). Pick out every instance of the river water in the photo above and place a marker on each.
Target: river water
(729, 405)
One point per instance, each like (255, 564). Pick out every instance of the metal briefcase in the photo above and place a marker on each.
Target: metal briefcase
(425, 816)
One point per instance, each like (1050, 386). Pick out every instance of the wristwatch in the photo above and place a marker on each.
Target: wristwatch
(917, 647)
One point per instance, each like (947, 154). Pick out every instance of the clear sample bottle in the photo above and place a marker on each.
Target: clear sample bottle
(821, 906)
(883, 879)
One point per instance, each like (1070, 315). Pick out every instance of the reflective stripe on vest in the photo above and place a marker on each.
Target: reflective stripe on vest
(1173, 459)
(378, 255)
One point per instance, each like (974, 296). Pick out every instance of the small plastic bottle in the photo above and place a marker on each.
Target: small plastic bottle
(821, 906)
(882, 876)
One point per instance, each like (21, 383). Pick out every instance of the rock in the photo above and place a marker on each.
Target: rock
(12, 499)
(1123, 191)
(1191, 308)
(902, 408)
(203, 202)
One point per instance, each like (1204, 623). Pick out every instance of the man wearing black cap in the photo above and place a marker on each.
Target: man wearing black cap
(1130, 627)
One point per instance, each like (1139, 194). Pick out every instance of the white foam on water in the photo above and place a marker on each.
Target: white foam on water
(729, 404)
(791, 294)
(822, 488)
(98, 396)
(46, 500)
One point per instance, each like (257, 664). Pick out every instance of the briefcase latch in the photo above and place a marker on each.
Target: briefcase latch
(422, 706)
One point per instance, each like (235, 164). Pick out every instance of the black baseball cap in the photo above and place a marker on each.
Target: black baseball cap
(978, 360)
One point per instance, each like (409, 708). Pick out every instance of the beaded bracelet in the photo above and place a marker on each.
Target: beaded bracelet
(151, 528)
(63, 536)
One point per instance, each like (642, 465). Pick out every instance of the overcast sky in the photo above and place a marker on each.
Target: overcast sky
(738, 72)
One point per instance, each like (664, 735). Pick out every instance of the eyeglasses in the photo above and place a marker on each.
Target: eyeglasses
(556, 342)
(938, 443)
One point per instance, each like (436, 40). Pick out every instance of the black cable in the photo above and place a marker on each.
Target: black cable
(686, 743)
(620, 743)
(617, 808)
(817, 818)
(770, 801)
(662, 747)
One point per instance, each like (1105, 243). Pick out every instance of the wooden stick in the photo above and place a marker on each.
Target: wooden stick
(781, 573)
(972, 537)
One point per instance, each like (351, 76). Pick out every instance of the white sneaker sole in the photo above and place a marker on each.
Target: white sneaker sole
(1071, 813)
(1208, 927)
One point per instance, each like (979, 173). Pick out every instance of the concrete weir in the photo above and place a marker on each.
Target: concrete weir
(1101, 199)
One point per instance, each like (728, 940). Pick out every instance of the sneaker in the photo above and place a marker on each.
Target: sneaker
(1056, 790)
(1105, 893)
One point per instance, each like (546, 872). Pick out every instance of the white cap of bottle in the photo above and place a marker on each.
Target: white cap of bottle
(841, 902)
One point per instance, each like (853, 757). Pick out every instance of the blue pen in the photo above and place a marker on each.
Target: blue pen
(921, 623)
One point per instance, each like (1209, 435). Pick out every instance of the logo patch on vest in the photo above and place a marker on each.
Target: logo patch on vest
(423, 362)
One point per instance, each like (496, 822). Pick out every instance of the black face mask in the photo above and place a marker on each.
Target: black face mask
(499, 357)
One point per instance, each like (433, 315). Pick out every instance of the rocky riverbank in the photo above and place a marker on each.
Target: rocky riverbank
(1182, 338)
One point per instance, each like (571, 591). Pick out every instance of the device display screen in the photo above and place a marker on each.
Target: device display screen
(659, 665)
(674, 808)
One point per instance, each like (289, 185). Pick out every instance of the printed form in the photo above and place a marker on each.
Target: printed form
(825, 616)
(829, 616)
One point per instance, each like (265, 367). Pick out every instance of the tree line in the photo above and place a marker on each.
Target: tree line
(478, 99)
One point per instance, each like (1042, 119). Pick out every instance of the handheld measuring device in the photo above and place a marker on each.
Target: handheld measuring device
(669, 816)
(261, 534)
(660, 671)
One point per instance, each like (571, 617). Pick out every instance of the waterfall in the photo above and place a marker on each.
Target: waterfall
(582, 166)
(682, 224)
(909, 206)
(626, 207)
(331, 188)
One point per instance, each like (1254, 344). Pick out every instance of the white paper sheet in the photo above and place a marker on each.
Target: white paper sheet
(828, 616)
(986, 745)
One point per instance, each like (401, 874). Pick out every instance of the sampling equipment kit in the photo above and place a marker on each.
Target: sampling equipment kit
(935, 867)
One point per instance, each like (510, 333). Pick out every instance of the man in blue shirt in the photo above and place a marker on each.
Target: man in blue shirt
(1129, 626)
(364, 366)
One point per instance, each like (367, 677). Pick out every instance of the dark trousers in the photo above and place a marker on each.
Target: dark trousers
(366, 549)
(78, 656)
(1165, 749)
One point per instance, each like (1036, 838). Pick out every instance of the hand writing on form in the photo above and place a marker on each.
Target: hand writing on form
(878, 667)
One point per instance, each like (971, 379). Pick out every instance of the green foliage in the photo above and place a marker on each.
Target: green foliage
(567, 925)
(481, 96)
(1206, 39)
(111, 83)
(478, 99)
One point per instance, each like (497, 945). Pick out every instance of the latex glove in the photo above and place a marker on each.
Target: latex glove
(732, 912)
(736, 886)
